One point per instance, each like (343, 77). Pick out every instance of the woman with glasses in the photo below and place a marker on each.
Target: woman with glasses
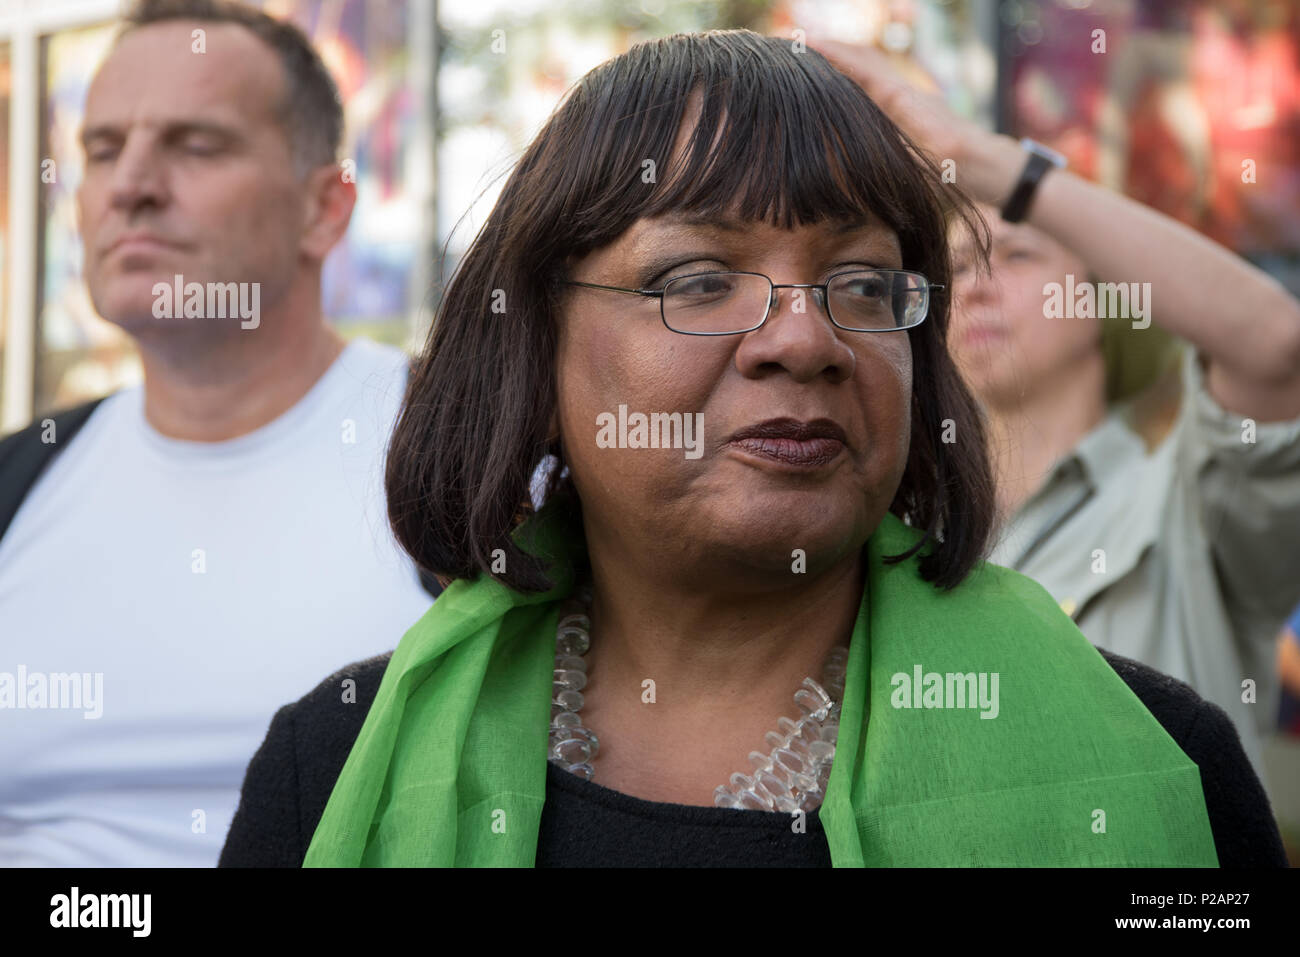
(781, 651)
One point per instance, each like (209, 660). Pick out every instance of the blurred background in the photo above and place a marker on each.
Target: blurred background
(441, 97)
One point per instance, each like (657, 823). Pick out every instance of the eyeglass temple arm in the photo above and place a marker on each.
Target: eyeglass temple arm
(656, 293)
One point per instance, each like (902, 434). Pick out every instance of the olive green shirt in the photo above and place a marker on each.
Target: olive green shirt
(1186, 559)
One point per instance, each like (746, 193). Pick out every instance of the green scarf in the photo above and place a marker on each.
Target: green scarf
(450, 765)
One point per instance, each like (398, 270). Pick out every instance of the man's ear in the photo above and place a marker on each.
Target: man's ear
(330, 199)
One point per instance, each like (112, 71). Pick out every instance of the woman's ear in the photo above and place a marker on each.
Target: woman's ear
(552, 429)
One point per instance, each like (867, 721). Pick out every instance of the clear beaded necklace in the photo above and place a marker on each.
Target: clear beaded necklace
(792, 777)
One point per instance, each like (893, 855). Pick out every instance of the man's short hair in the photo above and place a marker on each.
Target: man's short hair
(312, 113)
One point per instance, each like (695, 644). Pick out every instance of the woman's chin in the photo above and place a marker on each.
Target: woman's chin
(789, 540)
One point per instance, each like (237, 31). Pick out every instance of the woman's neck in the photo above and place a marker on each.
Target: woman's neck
(685, 681)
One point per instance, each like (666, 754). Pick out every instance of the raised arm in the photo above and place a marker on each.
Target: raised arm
(1244, 322)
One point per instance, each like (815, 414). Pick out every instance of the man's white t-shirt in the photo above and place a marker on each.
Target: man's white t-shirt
(168, 596)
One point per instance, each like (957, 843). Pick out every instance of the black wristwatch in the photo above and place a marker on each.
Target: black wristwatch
(1041, 159)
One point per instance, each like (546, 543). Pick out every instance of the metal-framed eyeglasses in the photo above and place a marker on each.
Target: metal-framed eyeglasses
(730, 303)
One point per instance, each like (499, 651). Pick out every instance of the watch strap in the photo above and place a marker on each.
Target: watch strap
(1040, 160)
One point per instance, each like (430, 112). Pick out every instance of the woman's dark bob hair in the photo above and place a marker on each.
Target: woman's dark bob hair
(802, 143)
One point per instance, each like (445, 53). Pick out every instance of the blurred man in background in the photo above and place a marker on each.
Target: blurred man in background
(205, 547)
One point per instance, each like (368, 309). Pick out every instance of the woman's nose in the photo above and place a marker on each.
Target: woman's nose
(802, 341)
